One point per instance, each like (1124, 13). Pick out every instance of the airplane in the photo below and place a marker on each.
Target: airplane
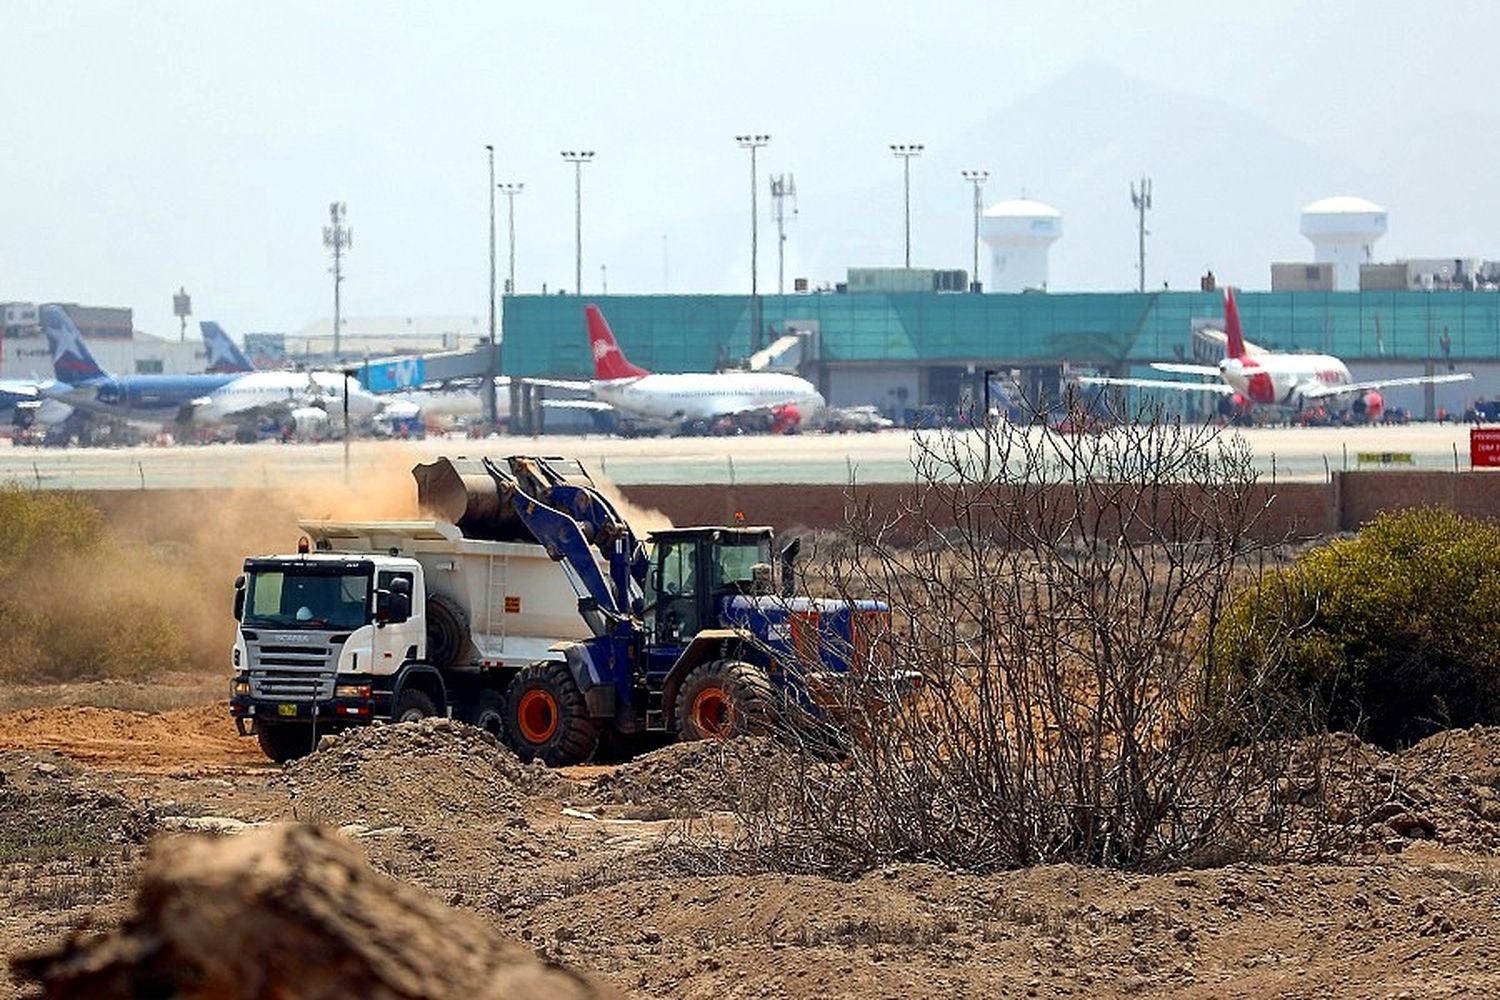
(90, 390)
(686, 399)
(311, 400)
(1264, 378)
(184, 399)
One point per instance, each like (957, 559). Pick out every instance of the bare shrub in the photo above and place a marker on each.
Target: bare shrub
(1046, 689)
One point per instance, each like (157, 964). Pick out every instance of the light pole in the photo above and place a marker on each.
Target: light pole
(1141, 201)
(491, 403)
(977, 178)
(510, 191)
(578, 159)
(753, 143)
(906, 151)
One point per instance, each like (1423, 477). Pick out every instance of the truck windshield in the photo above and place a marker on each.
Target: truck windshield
(307, 597)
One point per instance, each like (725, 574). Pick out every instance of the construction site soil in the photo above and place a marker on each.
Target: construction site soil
(601, 870)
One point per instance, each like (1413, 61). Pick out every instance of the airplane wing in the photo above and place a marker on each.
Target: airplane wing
(1180, 369)
(559, 383)
(596, 405)
(16, 387)
(1157, 383)
(1323, 391)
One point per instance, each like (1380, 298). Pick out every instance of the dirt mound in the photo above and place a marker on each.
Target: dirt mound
(52, 811)
(290, 911)
(687, 779)
(414, 773)
(139, 741)
(1368, 801)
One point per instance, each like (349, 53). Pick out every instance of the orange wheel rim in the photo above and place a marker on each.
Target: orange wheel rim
(537, 716)
(713, 713)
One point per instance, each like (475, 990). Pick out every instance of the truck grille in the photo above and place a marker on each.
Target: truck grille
(303, 672)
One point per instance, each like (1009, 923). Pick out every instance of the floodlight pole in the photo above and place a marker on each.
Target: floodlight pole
(977, 178)
(906, 151)
(753, 143)
(578, 159)
(492, 405)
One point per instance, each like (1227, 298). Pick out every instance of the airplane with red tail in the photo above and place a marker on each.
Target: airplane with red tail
(1262, 378)
(777, 401)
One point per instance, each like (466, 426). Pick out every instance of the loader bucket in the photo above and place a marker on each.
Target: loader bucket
(461, 492)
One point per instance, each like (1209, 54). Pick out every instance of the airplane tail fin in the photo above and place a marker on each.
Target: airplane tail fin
(71, 360)
(224, 355)
(1235, 345)
(609, 361)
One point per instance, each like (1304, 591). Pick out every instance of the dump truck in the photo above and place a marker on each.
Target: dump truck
(528, 606)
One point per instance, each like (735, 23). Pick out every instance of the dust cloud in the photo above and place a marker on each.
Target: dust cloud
(156, 595)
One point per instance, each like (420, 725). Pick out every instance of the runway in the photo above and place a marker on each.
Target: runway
(885, 457)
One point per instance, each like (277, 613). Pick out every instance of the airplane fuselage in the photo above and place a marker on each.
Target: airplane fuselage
(136, 397)
(1282, 379)
(267, 390)
(707, 396)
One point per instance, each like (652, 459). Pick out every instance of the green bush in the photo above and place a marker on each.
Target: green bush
(1393, 634)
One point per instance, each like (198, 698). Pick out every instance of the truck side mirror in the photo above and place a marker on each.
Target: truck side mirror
(788, 567)
(239, 597)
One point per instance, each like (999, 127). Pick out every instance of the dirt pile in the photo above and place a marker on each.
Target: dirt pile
(1368, 801)
(414, 774)
(687, 779)
(52, 811)
(290, 911)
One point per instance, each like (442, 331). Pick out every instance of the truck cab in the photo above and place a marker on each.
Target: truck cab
(320, 639)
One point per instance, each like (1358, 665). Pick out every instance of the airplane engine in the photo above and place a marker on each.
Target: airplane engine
(310, 423)
(51, 412)
(1374, 405)
(786, 419)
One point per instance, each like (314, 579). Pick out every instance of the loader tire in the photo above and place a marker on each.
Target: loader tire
(447, 630)
(282, 743)
(546, 717)
(723, 699)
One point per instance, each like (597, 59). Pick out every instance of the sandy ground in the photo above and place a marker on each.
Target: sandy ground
(587, 866)
(1293, 453)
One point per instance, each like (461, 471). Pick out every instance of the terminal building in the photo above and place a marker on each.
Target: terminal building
(906, 351)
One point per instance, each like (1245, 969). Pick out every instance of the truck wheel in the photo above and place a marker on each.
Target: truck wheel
(447, 630)
(722, 699)
(413, 706)
(489, 713)
(546, 718)
(284, 743)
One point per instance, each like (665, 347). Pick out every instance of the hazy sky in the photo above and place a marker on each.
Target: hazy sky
(151, 144)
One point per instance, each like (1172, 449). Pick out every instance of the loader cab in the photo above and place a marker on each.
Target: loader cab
(693, 569)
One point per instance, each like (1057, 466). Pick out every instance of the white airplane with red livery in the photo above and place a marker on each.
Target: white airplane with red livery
(776, 401)
(1263, 378)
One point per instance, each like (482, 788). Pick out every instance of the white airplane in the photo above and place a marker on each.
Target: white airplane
(689, 397)
(313, 401)
(1264, 378)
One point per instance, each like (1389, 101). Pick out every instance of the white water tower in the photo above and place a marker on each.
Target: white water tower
(1019, 233)
(1343, 230)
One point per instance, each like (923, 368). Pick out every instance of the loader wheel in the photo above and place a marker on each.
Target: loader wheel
(722, 699)
(447, 630)
(284, 743)
(546, 717)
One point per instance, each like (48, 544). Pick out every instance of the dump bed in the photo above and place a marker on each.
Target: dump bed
(518, 600)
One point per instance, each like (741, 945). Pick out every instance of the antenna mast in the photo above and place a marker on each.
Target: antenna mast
(1142, 201)
(337, 237)
(783, 186)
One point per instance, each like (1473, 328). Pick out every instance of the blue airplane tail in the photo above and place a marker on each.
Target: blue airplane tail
(224, 355)
(71, 360)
